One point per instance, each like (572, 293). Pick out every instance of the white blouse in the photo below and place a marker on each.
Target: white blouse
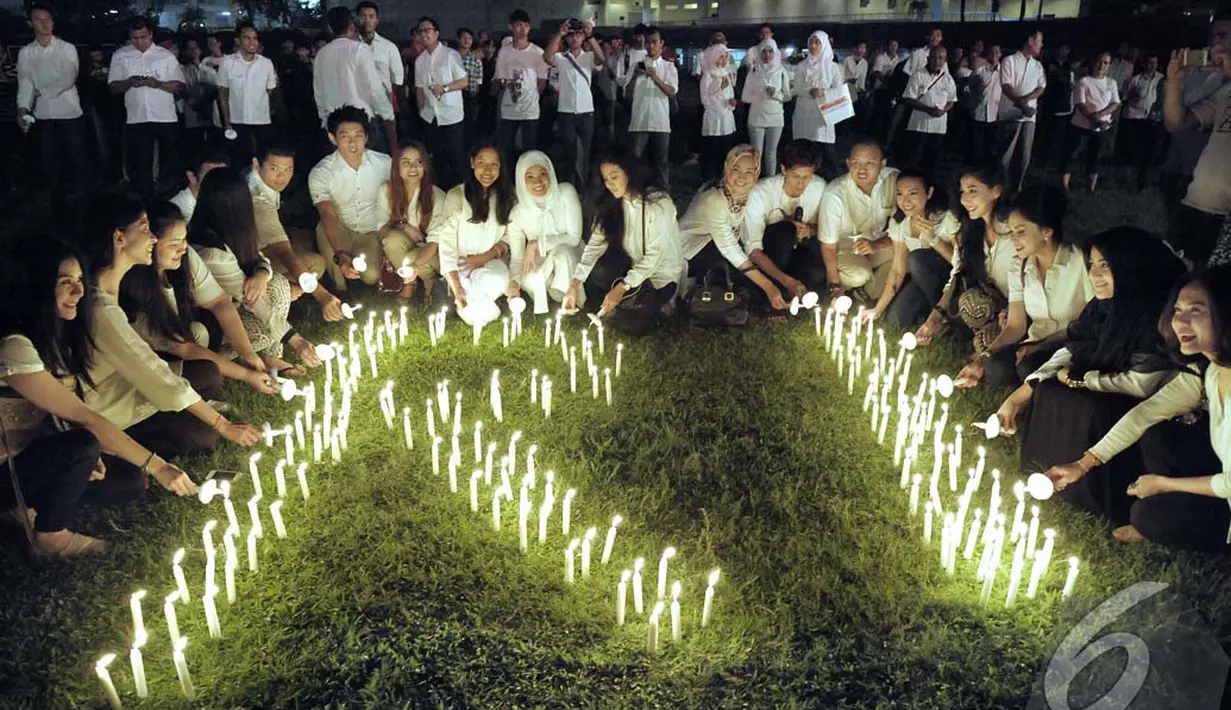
(384, 210)
(205, 290)
(655, 250)
(808, 122)
(945, 228)
(765, 111)
(1000, 261)
(559, 227)
(23, 421)
(1134, 384)
(709, 218)
(224, 266)
(1055, 299)
(131, 383)
(719, 116)
(458, 237)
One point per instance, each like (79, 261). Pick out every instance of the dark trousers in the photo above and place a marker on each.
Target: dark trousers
(925, 150)
(660, 143)
(53, 472)
(1053, 132)
(249, 141)
(1003, 370)
(576, 135)
(604, 123)
(470, 104)
(447, 144)
(638, 312)
(141, 138)
(1143, 140)
(65, 155)
(799, 260)
(1192, 233)
(517, 137)
(981, 148)
(929, 272)
(1181, 520)
(713, 158)
(1080, 139)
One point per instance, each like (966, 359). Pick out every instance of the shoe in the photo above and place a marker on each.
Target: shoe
(13, 517)
(77, 546)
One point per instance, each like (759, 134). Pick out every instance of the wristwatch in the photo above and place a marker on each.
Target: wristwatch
(337, 257)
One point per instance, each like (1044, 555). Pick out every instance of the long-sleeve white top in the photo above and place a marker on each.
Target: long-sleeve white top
(344, 74)
(458, 237)
(848, 212)
(47, 80)
(655, 250)
(768, 204)
(808, 122)
(718, 118)
(384, 210)
(765, 111)
(1134, 384)
(710, 218)
(562, 226)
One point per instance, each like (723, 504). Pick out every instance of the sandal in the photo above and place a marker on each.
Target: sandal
(76, 546)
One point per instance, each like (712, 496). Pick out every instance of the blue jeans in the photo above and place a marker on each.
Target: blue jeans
(929, 271)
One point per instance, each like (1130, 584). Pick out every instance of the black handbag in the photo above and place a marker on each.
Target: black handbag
(717, 305)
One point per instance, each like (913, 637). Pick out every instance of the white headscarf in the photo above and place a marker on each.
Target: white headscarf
(819, 68)
(711, 75)
(538, 210)
(768, 73)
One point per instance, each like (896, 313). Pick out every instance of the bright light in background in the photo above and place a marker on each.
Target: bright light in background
(225, 13)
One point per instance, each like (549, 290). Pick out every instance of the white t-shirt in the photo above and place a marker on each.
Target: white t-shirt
(355, 192)
(1141, 95)
(444, 66)
(936, 90)
(575, 95)
(248, 84)
(519, 100)
(1024, 75)
(1096, 94)
(1210, 190)
(145, 104)
(651, 111)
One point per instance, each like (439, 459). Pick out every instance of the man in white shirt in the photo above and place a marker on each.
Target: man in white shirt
(208, 157)
(149, 77)
(575, 111)
(985, 97)
(385, 52)
(521, 75)
(1022, 81)
(344, 74)
(880, 73)
(781, 220)
(855, 214)
(653, 82)
(440, 80)
(345, 187)
(915, 61)
(48, 104)
(245, 81)
(855, 72)
(1142, 119)
(272, 171)
(931, 94)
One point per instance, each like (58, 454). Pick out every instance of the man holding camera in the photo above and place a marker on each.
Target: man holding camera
(575, 115)
(652, 83)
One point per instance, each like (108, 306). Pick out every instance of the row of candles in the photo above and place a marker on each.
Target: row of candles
(849, 341)
(330, 433)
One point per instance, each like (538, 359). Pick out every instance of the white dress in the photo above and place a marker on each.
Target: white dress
(553, 223)
(458, 238)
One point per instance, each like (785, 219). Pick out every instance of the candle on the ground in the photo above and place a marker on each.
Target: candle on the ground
(619, 357)
(1032, 534)
(927, 521)
(607, 381)
(177, 571)
(586, 543)
(302, 474)
(252, 471)
(252, 550)
(454, 462)
(280, 477)
(211, 613)
(652, 642)
(662, 571)
(544, 517)
(496, 493)
(638, 594)
(610, 541)
(675, 611)
(181, 669)
(531, 473)
(973, 538)
(134, 605)
(168, 611)
(572, 369)
(317, 441)
(1015, 571)
(708, 607)
(275, 512)
(534, 386)
(622, 596)
(1041, 562)
(487, 463)
(104, 677)
(566, 511)
(431, 420)
(436, 455)
(916, 481)
(569, 553)
(1071, 580)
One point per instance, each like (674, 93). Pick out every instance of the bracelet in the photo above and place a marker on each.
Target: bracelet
(217, 422)
(145, 467)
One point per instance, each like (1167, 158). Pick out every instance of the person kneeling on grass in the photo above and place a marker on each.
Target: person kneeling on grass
(922, 231)
(410, 207)
(45, 321)
(711, 227)
(781, 220)
(854, 218)
(632, 264)
(471, 237)
(1182, 502)
(544, 233)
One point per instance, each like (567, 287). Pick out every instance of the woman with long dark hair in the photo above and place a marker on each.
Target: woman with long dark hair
(633, 262)
(471, 237)
(544, 233)
(45, 344)
(160, 299)
(223, 230)
(410, 205)
(130, 384)
(1183, 501)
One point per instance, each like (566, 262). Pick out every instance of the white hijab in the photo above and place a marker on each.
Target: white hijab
(711, 75)
(819, 68)
(539, 211)
(768, 73)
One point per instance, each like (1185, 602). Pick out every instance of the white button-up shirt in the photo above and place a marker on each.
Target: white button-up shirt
(1024, 75)
(628, 60)
(388, 60)
(848, 212)
(356, 193)
(444, 66)
(1055, 299)
(146, 104)
(855, 68)
(1141, 95)
(768, 204)
(655, 250)
(651, 110)
(47, 80)
(710, 219)
(186, 201)
(519, 100)
(917, 60)
(936, 90)
(575, 96)
(344, 74)
(248, 84)
(985, 89)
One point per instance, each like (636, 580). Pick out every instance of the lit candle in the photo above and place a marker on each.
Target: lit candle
(973, 538)
(1032, 536)
(610, 541)
(622, 596)
(436, 455)
(181, 583)
(474, 489)
(586, 542)
(602, 349)
(211, 614)
(505, 322)
(530, 468)
(302, 474)
(572, 369)
(594, 382)
(638, 595)
(523, 518)
(544, 516)
(289, 440)
(252, 471)
(534, 386)
(496, 401)
(569, 553)
(547, 390)
(104, 677)
(134, 605)
(275, 512)
(619, 357)
(487, 464)
(496, 509)
(513, 453)
(431, 420)
(566, 511)
(927, 521)
(280, 477)
(457, 414)
(916, 481)
(442, 401)
(1041, 562)
(607, 380)
(316, 441)
(207, 537)
(662, 571)
(1015, 572)
(652, 642)
(454, 460)
(181, 669)
(675, 611)
(252, 550)
(168, 610)
(547, 333)
(1071, 580)
(993, 565)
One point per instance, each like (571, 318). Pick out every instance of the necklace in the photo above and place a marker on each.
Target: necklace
(736, 206)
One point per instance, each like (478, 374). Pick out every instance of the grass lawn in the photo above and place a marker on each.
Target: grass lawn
(741, 449)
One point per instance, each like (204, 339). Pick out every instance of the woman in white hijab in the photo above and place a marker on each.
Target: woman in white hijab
(544, 232)
(813, 76)
(765, 90)
(718, 119)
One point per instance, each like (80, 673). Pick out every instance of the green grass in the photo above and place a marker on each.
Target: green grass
(741, 449)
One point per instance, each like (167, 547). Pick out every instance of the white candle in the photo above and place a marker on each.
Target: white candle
(211, 614)
(280, 477)
(1071, 580)
(181, 669)
(622, 596)
(534, 386)
(607, 381)
(299, 436)
(547, 390)
(523, 518)
(477, 330)
(431, 420)
(302, 474)
(496, 401)
(547, 333)
(544, 516)
(513, 453)
(530, 467)
(927, 521)
(457, 414)
(104, 677)
(252, 550)
(316, 442)
(1015, 572)
(181, 583)
(1041, 562)
(505, 322)
(289, 440)
(638, 595)
(487, 464)
(442, 401)
(973, 538)
(572, 369)
(252, 471)
(594, 383)
(1032, 536)
(675, 611)
(275, 512)
(916, 481)
(496, 510)
(230, 579)
(168, 610)
(207, 537)
(436, 455)
(454, 460)
(134, 605)
(602, 349)
(993, 565)
(619, 357)
(652, 642)
(566, 512)
(662, 571)
(586, 543)
(610, 541)
(569, 553)
(335, 446)
(474, 489)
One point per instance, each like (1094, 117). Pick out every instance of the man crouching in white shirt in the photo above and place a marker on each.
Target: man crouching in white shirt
(781, 222)
(855, 214)
(345, 188)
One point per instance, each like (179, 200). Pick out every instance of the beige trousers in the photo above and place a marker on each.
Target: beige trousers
(356, 243)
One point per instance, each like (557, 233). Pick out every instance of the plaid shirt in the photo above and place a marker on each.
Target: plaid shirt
(474, 71)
